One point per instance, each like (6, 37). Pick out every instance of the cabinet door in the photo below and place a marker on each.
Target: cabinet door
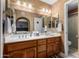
(42, 55)
(26, 53)
(50, 50)
(41, 48)
(30, 53)
(17, 54)
(57, 45)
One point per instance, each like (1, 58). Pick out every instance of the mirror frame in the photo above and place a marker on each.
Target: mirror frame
(24, 19)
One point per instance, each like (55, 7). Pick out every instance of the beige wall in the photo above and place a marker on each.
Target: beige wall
(58, 8)
(78, 25)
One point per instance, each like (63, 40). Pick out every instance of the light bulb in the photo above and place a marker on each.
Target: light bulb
(18, 2)
(30, 6)
(24, 4)
(43, 9)
(46, 10)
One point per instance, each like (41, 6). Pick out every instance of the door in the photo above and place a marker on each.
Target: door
(30, 52)
(17, 54)
(25, 53)
(66, 43)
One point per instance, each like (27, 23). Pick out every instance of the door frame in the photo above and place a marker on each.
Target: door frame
(1, 30)
(78, 27)
(2, 9)
(66, 48)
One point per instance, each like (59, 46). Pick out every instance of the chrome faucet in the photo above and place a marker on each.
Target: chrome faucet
(30, 34)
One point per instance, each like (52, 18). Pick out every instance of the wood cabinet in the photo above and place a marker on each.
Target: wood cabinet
(40, 48)
(42, 54)
(53, 46)
(31, 52)
(20, 49)
(25, 53)
(50, 50)
(50, 46)
(57, 45)
(16, 54)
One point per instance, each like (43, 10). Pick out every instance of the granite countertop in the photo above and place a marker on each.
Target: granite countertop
(20, 38)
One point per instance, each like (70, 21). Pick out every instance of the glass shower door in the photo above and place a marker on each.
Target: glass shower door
(73, 32)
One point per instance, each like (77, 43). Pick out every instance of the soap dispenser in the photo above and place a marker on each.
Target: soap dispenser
(45, 29)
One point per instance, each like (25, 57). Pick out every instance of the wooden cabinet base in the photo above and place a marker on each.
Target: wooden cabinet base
(42, 48)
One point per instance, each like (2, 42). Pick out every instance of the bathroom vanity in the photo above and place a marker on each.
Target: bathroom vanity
(20, 21)
(33, 47)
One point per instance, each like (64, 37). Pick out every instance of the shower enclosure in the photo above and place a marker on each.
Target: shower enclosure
(73, 32)
(71, 27)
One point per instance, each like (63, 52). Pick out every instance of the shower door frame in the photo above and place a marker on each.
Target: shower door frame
(66, 48)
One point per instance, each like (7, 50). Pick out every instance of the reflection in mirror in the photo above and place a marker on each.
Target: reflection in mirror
(22, 24)
(27, 24)
(49, 22)
(8, 21)
(55, 22)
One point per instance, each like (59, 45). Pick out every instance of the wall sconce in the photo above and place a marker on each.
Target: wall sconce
(28, 6)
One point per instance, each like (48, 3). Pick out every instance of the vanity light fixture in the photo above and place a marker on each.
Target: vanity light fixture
(45, 10)
(18, 2)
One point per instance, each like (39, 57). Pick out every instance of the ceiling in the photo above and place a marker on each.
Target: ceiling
(50, 2)
(72, 5)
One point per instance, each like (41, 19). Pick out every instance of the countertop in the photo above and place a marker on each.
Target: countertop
(15, 38)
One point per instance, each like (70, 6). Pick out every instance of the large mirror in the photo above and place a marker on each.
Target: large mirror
(22, 24)
(30, 19)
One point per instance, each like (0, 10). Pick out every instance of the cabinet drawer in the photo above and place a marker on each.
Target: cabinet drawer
(42, 55)
(42, 42)
(50, 40)
(19, 45)
(58, 43)
(41, 48)
(58, 39)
